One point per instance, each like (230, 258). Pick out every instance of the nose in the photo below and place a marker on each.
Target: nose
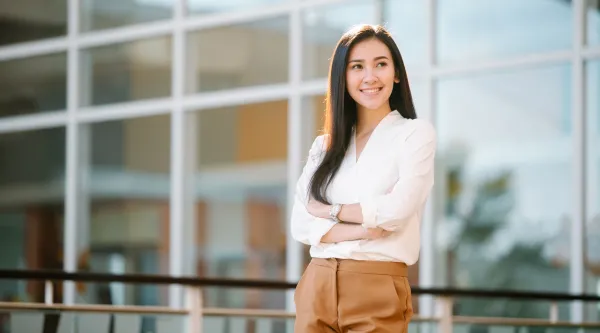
(370, 77)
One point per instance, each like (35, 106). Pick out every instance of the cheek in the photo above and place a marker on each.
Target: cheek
(352, 83)
(351, 79)
(388, 77)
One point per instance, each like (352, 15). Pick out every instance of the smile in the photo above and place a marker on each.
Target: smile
(371, 91)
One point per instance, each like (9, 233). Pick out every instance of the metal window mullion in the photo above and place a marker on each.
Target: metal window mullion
(591, 52)
(295, 126)
(428, 250)
(177, 202)
(378, 11)
(72, 152)
(50, 119)
(521, 61)
(33, 49)
(577, 241)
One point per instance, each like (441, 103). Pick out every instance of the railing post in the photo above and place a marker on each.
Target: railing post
(553, 312)
(48, 292)
(193, 298)
(444, 306)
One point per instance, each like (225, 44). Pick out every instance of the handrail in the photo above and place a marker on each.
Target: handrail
(57, 275)
(282, 314)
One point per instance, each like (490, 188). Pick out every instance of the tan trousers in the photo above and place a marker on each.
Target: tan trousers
(336, 295)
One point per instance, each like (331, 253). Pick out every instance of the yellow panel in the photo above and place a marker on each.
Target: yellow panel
(262, 132)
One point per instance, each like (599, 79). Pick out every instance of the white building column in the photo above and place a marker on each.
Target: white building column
(577, 269)
(427, 260)
(178, 169)
(72, 152)
(295, 133)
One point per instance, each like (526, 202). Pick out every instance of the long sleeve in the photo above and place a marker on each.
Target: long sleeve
(416, 172)
(306, 228)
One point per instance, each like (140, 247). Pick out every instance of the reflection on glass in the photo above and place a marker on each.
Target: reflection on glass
(26, 22)
(481, 30)
(51, 320)
(103, 14)
(32, 167)
(592, 231)
(593, 22)
(126, 72)
(207, 7)
(33, 85)
(242, 324)
(407, 22)
(322, 28)
(239, 162)
(238, 56)
(504, 179)
(125, 222)
(419, 96)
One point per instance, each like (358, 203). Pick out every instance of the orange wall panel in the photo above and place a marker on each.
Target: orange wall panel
(262, 132)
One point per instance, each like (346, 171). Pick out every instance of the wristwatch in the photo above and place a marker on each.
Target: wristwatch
(334, 211)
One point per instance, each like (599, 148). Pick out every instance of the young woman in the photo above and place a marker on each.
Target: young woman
(361, 195)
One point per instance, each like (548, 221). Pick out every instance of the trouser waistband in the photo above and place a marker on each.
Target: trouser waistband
(367, 267)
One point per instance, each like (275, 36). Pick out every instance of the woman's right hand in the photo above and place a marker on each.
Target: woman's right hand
(376, 233)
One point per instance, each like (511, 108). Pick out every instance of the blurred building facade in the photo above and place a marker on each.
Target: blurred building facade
(165, 137)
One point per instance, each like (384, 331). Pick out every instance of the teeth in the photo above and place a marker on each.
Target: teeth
(371, 90)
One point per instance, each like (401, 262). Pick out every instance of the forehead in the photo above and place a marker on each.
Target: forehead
(369, 49)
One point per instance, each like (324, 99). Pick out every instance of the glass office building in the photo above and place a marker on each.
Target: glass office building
(166, 136)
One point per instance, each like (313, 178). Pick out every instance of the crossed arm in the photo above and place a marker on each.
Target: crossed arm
(377, 216)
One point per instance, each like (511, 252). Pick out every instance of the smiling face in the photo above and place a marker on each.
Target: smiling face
(370, 74)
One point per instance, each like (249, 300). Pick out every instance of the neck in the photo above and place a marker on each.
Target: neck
(368, 119)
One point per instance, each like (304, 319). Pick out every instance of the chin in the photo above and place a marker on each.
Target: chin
(370, 105)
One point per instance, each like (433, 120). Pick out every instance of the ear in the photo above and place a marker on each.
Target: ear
(397, 80)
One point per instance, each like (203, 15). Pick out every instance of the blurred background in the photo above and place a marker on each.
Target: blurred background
(166, 137)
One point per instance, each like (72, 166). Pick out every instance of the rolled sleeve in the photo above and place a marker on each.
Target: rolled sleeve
(415, 181)
(319, 228)
(369, 213)
(306, 228)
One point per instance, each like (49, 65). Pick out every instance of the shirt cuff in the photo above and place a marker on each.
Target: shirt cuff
(318, 230)
(369, 213)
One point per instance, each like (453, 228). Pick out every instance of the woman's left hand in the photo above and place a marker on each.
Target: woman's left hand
(318, 209)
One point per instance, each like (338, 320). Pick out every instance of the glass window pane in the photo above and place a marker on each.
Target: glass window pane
(505, 172)
(593, 22)
(238, 56)
(126, 72)
(27, 22)
(322, 28)
(419, 96)
(32, 182)
(407, 22)
(33, 85)
(481, 30)
(207, 7)
(126, 202)
(592, 231)
(239, 158)
(103, 14)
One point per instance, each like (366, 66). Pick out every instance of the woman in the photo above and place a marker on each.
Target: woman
(361, 195)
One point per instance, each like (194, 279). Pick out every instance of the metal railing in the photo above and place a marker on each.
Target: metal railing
(195, 311)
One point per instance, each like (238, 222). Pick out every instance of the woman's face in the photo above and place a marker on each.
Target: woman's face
(370, 74)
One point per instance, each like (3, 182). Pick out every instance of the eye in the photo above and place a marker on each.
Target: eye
(382, 64)
(356, 66)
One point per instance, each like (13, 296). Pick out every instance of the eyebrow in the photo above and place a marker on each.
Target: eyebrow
(376, 58)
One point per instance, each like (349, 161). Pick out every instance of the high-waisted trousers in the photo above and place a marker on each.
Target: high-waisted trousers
(341, 295)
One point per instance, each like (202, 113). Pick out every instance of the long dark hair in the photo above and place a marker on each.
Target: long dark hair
(341, 113)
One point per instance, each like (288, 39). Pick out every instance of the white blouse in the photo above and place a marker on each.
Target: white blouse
(391, 180)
